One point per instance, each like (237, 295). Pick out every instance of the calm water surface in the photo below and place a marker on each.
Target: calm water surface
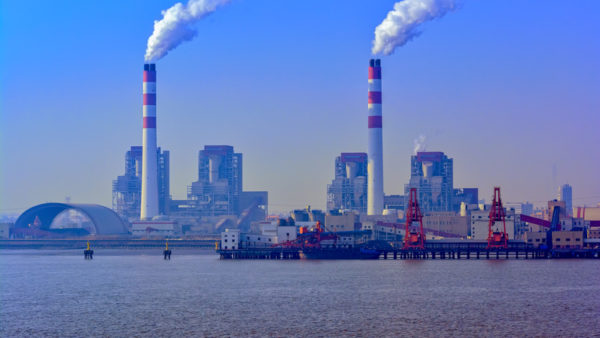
(58, 293)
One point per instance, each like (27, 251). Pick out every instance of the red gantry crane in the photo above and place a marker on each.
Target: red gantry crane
(497, 237)
(414, 238)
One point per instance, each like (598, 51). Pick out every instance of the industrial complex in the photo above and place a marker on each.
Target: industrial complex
(359, 218)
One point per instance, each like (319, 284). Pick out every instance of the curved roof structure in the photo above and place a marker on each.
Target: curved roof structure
(105, 220)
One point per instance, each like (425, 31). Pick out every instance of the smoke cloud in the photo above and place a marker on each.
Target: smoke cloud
(420, 144)
(176, 26)
(401, 23)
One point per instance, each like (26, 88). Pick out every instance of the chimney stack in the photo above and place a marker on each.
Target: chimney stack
(375, 166)
(149, 203)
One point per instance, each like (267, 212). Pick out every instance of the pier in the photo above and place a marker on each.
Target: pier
(260, 253)
(434, 249)
(454, 249)
(100, 243)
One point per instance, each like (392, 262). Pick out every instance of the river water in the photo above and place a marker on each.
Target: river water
(132, 293)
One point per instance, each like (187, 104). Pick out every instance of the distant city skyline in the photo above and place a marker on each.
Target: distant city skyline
(509, 91)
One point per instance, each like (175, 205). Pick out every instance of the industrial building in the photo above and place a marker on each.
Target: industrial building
(563, 233)
(230, 239)
(270, 233)
(536, 238)
(449, 223)
(37, 221)
(215, 201)
(348, 190)
(588, 213)
(219, 186)
(431, 173)
(127, 188)
(347, 221)
(567, 239)
(480, 220)
(307, 215)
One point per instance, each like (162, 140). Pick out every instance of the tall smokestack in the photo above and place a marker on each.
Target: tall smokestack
(149, 205)
(375, 167)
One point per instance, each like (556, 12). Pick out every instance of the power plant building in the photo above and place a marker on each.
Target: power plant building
(127, 188)
(348, 190)
(214, 199)
(431, 173)
(219, 187)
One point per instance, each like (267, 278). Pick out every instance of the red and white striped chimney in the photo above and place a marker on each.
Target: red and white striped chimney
(375, 166)
(149, 203)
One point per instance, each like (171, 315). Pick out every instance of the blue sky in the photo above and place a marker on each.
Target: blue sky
(509, 89)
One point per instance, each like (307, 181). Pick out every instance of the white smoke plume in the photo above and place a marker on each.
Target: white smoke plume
(420, 144)
(401, 23)
(176, 26)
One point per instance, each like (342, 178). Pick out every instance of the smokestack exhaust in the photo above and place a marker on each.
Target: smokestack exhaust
(177, 26)
(149, 203)
(375, 166)
(402, 23)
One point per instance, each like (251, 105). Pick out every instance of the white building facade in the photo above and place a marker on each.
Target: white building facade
(480, 222)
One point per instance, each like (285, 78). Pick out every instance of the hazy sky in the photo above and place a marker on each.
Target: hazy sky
(510, 89)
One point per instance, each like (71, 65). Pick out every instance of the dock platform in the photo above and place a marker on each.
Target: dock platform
(440, 249)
